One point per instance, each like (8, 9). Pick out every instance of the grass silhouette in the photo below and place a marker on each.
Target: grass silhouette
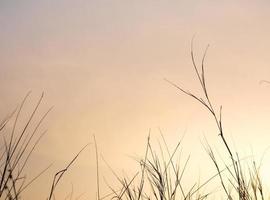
(17, 147)
(164, 177)
(161, 174)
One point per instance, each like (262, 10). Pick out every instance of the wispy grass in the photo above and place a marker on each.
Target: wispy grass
(17, 146)
(246, 186)
(161, 179)
(160, 174)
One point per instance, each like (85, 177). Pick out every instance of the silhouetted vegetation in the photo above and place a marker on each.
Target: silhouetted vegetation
(160, 175)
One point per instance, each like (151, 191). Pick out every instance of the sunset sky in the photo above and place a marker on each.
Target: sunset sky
(102, 64)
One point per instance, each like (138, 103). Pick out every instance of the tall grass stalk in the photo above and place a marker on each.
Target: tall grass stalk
(17, 147)
(245, 186)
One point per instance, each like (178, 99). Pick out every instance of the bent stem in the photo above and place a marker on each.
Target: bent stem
(207, 103)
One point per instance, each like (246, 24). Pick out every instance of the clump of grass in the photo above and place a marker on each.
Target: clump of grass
(17, 146)
(160, 174)
(160, 177)
(246, 186)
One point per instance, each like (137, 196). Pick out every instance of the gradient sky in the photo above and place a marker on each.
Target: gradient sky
(101, 64)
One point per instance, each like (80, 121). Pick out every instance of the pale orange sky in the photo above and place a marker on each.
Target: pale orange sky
(101, 63)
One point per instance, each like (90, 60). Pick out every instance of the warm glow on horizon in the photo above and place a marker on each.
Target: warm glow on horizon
(102, 64)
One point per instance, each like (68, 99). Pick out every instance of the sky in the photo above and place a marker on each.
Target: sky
(102, 64)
